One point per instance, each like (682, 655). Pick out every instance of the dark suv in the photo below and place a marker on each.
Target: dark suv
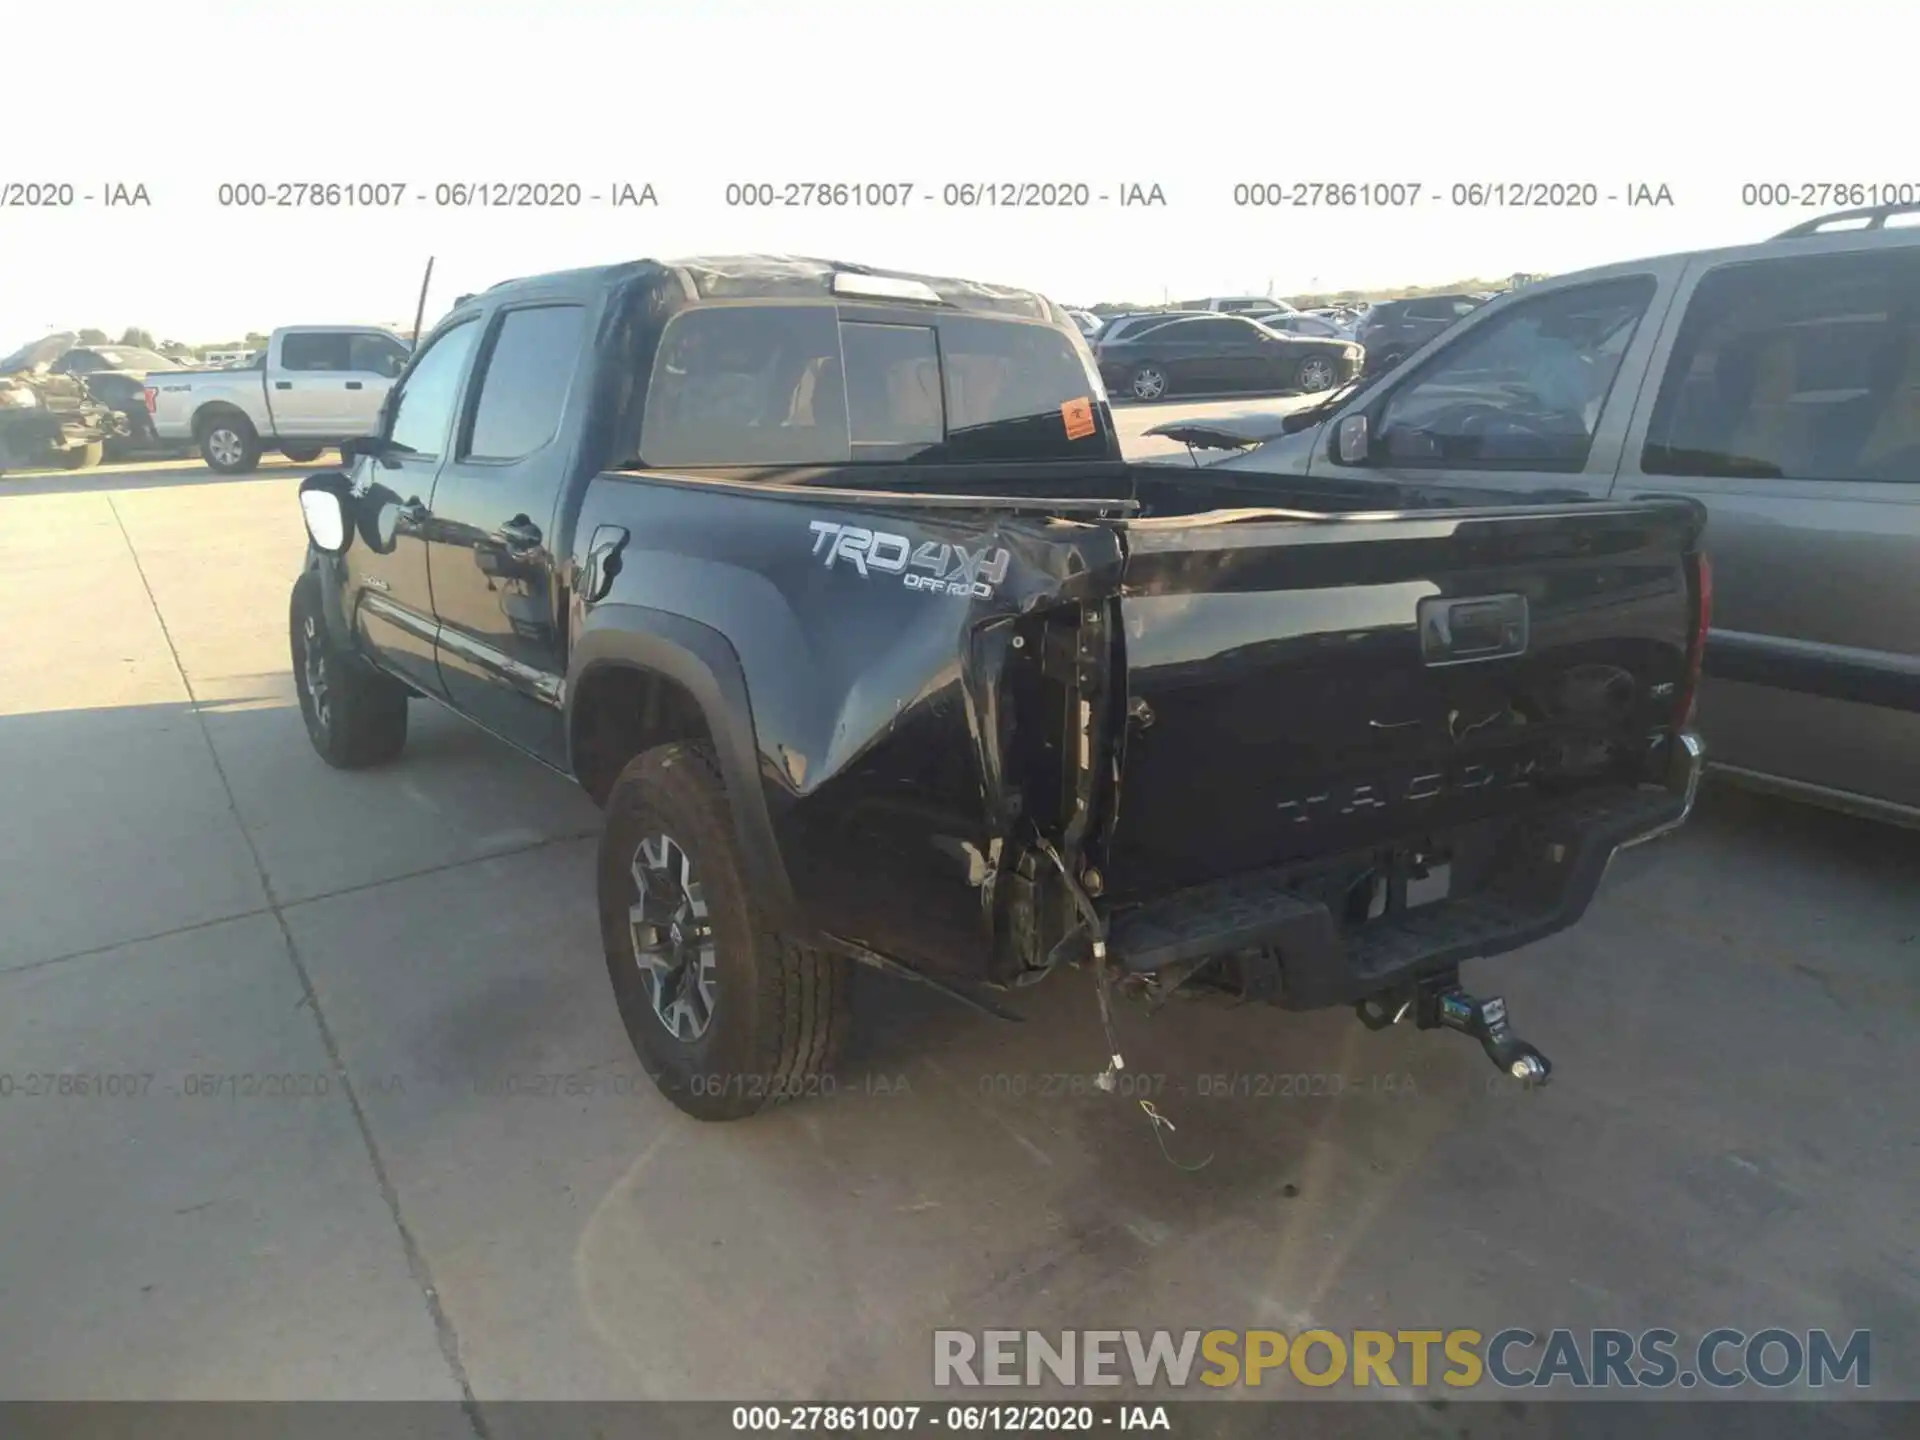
(1394, 329)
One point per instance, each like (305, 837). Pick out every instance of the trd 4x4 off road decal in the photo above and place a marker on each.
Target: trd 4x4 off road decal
(932, 565)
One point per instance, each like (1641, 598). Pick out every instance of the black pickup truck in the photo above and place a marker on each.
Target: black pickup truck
(831, 586)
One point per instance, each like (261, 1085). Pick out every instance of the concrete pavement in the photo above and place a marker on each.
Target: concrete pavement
(359, 1118)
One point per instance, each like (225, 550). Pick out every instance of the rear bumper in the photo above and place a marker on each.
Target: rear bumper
(1540, 876)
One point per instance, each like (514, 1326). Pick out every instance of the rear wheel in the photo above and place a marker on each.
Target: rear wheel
(355, 715)
(229, 444)
(1148, 382)
(727, 1016)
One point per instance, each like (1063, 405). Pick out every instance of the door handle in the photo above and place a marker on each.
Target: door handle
(520, 534)
(283, 384)
(355, 385)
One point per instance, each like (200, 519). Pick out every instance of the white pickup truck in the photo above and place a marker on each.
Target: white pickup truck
(312, 387)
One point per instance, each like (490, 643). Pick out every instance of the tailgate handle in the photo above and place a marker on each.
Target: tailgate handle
(1472, 628)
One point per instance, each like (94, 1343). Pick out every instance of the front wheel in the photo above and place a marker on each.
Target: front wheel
(727, 1016)
(355, 715)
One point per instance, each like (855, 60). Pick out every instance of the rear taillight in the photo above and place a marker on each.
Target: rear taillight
(152, 394)
(1697, 649)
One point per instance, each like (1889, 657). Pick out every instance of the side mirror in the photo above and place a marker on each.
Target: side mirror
(323, 505)
(1351, 441)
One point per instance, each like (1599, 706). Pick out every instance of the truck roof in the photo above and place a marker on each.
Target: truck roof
(778, 277)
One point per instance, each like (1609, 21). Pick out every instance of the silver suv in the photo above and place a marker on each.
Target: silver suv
(1779, 383)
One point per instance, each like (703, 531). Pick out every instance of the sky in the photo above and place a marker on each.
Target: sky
(690, 97)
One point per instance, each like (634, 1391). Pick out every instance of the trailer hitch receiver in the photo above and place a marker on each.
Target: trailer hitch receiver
(1439, 1003)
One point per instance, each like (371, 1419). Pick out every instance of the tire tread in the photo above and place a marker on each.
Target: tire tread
(801, 992)
(369, 707)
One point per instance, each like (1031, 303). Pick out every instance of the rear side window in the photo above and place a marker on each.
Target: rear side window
(797, 385)
(529, 371)
(319, 351)
(1206, 332)
(1804, 369)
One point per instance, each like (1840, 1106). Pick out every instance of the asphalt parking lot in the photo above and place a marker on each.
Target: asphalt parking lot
(372, 1128)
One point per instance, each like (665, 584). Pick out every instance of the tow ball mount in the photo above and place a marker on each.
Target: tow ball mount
(1439, 1003)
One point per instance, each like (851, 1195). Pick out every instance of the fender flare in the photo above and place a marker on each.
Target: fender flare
(704, 663)
(326, 570)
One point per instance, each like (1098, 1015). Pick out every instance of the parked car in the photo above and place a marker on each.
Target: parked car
(1133, 323)
(1345, 318)
(1088, 322)
(1239, 305)
(1300, 322)
(1219, 355)
(312, 387)
(1394, 329)
(816, 578)
(1776, 383)
(49, 419)
(117, 376)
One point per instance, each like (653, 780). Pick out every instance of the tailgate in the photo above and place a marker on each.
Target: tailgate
(1307, 687)
(173, 405)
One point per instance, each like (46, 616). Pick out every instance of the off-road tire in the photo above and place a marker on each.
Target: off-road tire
(244, 453)
(779, 1015)
(363, 719)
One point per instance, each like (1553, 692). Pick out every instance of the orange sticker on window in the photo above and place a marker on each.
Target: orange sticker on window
(1078, 415)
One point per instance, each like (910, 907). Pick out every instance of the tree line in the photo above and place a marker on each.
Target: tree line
(135, 337)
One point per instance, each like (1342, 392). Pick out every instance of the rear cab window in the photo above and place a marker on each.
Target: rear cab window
(829, 384)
